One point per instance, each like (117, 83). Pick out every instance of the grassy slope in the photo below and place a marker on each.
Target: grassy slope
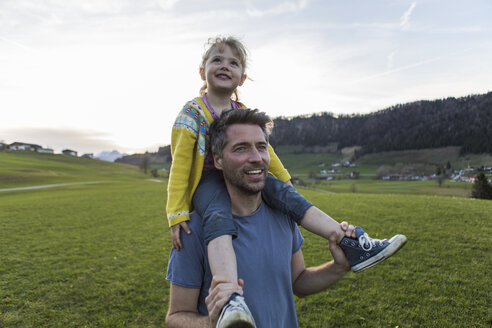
(94, 255)
(19, 169)
(371, 186)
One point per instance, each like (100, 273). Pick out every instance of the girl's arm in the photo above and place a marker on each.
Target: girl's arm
(179, 187)
(276, 167)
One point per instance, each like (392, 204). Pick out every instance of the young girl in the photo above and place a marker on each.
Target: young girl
(194, 180)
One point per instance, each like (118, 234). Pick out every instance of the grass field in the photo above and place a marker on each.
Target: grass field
(94, 256)
(371, 186)
(19, 169)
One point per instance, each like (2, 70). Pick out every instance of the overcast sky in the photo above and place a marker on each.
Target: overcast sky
(98, 75)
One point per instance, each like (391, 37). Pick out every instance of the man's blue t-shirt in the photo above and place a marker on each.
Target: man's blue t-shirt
(264, 247)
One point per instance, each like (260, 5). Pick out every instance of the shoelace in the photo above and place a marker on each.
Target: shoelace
(367, 242)
(233, 304)
(236, 304)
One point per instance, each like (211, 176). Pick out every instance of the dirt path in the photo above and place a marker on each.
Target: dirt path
(50, 186)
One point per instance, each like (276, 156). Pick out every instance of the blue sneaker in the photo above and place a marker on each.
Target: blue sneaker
(235, 314)
(365, 252)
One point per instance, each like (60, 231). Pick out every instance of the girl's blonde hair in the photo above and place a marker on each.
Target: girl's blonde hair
(238, 49)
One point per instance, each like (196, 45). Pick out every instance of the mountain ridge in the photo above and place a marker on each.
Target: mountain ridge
(465, 122)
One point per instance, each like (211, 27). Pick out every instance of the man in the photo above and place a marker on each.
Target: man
(268, 246)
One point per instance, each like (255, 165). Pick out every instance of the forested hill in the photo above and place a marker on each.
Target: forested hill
(465, 122)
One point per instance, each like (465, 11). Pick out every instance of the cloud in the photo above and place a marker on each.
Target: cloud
(166, 4)
(391, 61)
(284, 7)
(16, 44)
(404, 20)
(59, 139)
(399, 69)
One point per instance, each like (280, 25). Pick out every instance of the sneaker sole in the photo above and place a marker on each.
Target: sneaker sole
(238, 320)
(396, 243)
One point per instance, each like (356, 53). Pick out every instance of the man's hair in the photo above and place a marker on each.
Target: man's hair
(218, 129)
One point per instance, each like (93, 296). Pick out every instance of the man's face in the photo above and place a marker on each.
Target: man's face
(245, 158)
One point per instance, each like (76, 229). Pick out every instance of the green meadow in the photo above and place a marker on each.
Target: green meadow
(425, 161)
(20, 169)
(95, 255)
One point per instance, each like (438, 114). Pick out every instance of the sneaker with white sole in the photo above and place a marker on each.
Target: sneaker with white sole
(235, 314)
(365, 252)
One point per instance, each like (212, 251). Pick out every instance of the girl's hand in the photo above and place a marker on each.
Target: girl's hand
(175, 234)
(348, 229)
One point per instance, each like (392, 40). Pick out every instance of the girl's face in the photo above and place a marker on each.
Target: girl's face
(223, 71)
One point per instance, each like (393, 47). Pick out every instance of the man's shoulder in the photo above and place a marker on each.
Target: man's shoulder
(276, 214)
(279, 221)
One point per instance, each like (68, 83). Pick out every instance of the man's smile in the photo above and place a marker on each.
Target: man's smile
(254, 172)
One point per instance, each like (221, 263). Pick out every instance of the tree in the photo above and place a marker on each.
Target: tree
(144, 163)
(481, 187)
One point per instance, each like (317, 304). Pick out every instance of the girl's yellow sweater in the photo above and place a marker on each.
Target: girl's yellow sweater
(189, 145)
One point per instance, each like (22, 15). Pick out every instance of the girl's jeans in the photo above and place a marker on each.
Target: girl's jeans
(211, 201)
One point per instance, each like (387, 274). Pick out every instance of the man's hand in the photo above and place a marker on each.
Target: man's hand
(338, 255)
(175, 234)
(219, 294)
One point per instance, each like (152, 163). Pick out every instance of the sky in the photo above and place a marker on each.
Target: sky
(102, 75)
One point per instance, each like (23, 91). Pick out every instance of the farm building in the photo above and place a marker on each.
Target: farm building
(69, 152)
(24, 146)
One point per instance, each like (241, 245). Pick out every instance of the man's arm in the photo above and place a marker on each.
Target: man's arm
(307, 281)
(183, 311)
(183, 303)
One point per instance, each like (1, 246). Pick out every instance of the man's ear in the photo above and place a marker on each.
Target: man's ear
(217, 162)
(243, 78)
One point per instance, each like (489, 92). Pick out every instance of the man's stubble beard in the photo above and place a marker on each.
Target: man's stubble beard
(235, 178)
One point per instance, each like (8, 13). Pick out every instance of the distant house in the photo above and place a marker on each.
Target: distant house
(69, 152)
(354, 175)
(24, 146)
(90, 155)
(3, 146)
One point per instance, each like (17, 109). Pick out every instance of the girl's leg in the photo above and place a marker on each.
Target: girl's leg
(362, 252)
(284, 197)
(322, 224)
(211, 201)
